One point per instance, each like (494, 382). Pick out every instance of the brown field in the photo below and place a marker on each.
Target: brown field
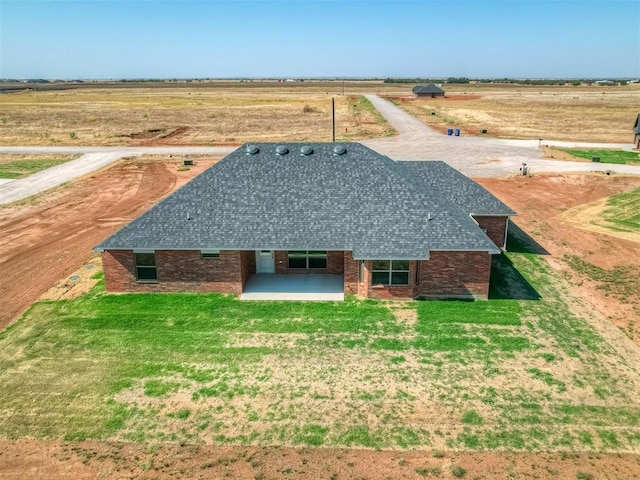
(226, 112)
(222, 114)
(582, 113)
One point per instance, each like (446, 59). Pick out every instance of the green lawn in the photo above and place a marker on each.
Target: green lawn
(19, 168)
(623, 211)
(606, 156)
(195, 368)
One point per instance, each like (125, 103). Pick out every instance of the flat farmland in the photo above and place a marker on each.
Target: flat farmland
(571, 113)
(234, 112)
(219, 114)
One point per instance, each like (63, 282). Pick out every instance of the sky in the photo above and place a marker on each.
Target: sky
(113, 39)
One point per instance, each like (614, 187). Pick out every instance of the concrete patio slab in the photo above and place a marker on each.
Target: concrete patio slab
(316, 288)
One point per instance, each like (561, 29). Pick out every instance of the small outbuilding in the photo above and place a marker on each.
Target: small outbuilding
(636, 130)
(431, 91)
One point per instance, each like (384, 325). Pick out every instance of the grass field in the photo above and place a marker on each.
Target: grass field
(606, 156)
(221, 114)
(622, 211)
(226, 112)
(520, 371)
(591, 114)
(19, 166)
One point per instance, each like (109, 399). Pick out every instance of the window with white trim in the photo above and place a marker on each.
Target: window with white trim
(390, 272)
(307, 259)
(146, 267)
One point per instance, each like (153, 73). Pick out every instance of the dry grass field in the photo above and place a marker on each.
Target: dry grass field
(226, 112)
(222, 113)
(574, 113)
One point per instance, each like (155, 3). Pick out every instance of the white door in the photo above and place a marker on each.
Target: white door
(265, 261)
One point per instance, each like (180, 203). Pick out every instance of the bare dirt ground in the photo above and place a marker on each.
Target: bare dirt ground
(89, 460)
(542, 201)
(47, 241)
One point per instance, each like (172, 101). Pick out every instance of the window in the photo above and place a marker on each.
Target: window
(390, 272)
(146, 267)
(307, 259)
(210, 253)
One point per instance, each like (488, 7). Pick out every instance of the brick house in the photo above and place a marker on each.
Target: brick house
(388, 229)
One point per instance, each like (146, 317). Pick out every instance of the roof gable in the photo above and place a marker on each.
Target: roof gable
(358, 200)
(427, 89)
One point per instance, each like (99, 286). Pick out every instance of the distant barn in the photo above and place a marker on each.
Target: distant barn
(636, 129)
(430, 91)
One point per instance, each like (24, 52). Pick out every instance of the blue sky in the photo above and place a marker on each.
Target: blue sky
(69, 39)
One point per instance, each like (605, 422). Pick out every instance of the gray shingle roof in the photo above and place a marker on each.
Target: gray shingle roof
(427, 89)
(360, 201)
(459, 189)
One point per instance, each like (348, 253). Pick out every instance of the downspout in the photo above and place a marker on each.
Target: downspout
(506, 231)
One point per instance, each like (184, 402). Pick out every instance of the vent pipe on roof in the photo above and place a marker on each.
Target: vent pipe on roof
(188, 216)
(429, 217)
(339, 150)
(281, 150)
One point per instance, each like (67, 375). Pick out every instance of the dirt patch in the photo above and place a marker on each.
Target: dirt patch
(78, 283)
(28, 459)
(47, 238)
(545, 204)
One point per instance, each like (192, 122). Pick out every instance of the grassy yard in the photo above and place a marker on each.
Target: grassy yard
(606, 156)
(622, 211)
(19, 166)
(519, 371)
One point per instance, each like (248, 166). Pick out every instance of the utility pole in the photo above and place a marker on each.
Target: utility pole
(333, 116)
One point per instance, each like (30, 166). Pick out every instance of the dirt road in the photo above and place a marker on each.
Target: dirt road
(94, 158)
(476, 156)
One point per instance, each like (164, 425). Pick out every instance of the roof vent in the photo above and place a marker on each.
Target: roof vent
(252, 150)
(306, 150)
(281, 150)
(339, 150)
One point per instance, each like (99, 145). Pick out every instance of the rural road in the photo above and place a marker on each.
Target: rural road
(474, 156)
(477, 156)
(93, 159)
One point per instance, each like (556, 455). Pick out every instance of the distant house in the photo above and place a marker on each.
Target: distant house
(383, 229)
(636, 129)
(431, 91)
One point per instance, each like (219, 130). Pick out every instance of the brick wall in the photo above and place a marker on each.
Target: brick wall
(454, 275)
(495, 227)
(335, 264)
(446, 274)
(180, 271)
(350, 269)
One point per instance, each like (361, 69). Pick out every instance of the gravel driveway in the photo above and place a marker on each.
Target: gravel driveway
(476, 156)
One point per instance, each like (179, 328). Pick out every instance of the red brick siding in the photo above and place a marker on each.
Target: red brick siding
(454, 274)
(179, 271)
(495, 227)
(350, 268)
(335, 264)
